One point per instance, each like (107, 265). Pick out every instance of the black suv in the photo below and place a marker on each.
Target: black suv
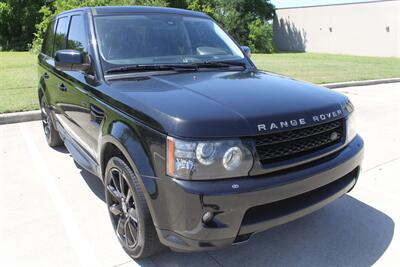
(196, 147)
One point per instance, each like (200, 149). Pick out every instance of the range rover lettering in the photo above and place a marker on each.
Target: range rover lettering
(197, 148)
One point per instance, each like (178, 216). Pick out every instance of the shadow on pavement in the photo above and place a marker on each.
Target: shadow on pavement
(93, 182)
(61, 149)
(345, 233)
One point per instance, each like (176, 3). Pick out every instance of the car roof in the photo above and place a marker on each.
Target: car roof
(104, 10)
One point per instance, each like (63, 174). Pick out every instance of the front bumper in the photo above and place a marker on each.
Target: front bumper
(244, 206)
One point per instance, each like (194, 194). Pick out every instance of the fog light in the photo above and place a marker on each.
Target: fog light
(207, 217)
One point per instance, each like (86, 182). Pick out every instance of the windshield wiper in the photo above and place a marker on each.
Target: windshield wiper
(153, 67)
(220, 64)
(194, 66)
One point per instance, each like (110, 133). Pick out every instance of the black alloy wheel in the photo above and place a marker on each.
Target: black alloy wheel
(129, 213)
(122, 208)
(52, 136)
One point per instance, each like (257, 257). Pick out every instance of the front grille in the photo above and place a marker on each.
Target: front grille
(275, 147)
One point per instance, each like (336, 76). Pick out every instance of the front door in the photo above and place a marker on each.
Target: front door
(75, 110)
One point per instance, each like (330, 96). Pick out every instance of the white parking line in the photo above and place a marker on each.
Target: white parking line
(79, 243)
(380, 192)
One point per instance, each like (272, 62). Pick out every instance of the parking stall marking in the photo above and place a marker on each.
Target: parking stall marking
(79, 243)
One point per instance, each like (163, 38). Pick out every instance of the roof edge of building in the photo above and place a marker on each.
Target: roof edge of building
(342, 4)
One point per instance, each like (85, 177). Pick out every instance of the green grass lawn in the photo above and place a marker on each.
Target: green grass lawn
(18, 81)
(18, 72)
(324, 68)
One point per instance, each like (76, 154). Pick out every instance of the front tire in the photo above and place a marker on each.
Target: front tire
(129, 213)
(52, 136)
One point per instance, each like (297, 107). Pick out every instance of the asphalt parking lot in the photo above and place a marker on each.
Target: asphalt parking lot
(53, 213)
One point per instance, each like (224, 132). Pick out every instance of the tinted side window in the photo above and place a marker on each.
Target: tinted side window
(60, 41)
(47, 47)
(77, 35)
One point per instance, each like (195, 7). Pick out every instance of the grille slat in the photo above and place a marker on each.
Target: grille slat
(275, 147)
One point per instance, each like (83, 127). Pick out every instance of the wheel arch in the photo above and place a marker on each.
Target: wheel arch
(121, 140)
(42, 89)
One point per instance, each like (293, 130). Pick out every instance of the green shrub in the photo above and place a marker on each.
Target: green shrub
(260, 37)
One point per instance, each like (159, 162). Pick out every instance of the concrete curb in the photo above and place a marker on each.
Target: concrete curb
(20, 117)
(360, 83)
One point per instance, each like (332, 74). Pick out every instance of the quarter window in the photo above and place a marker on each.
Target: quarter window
(77, 35)
(60, 41)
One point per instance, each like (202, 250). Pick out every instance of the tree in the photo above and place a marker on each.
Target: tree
(238, 15)
(17, 22)
(260, 37)
(240, 18)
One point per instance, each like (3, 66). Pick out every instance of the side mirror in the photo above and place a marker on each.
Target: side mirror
(246, 50)
(71, 60)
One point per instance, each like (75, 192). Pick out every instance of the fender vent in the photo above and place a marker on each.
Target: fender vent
(96, 114)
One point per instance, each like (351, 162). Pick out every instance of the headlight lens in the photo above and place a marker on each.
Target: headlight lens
(351, 123)
(207, 159)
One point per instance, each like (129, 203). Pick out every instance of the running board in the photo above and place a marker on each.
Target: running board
(78, 153)
(81, 157)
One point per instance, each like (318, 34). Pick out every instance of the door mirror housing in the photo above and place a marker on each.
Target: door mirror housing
(246, 50)
(71, 60)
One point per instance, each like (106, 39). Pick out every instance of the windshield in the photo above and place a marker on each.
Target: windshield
(162, 39)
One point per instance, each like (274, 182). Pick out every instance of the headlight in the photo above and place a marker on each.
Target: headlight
(207, 159)
(351, 123)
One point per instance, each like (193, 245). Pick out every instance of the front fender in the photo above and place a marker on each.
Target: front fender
(133, 145)
(128, 142)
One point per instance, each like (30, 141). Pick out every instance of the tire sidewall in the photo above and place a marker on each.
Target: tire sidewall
(53, 139)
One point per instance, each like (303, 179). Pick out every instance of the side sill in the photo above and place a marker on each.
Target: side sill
(78, 153)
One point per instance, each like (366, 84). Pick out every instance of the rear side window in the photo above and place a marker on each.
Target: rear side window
(47, 47)
(77, 35)
(60, 37)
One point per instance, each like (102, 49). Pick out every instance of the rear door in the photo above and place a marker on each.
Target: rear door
(46, 66)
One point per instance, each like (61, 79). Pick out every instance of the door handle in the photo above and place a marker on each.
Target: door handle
(62, 87)
(46, 76)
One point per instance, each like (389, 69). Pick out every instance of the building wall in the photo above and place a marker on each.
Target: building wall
(368, 29)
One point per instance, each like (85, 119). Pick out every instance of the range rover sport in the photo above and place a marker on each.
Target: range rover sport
(196, 147)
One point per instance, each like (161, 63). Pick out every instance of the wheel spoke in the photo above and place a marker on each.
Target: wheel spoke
(116, 209)
(133, 215)
(114, 192)
(133, 233)
(129, 196)
(122, 184)
(126, 232)
(115, 179)
(120, 227)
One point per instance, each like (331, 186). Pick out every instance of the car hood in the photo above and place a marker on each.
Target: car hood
(226, 104)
